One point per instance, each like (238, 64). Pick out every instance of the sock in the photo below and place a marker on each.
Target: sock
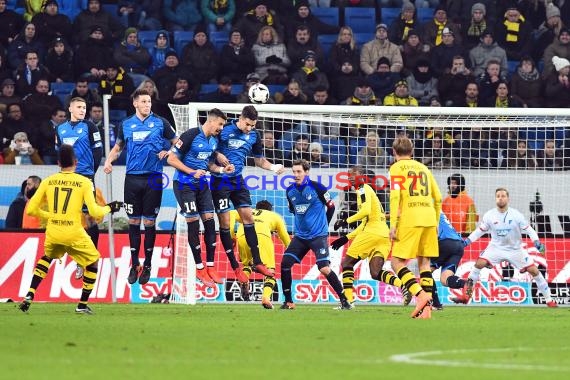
(135, 242)
(248, 271)
(409, 281)
(542, 285)
(251, 238)
(474, 275)
(89, 278)
(388, 278)
(347, 283)
(93, 232)
(426, 281)
(268, 287)
(210, 239)
(435, 297)
(149, 239)
(455, 282)
(228, 244)
(40, 272)
(333, 280)
(194, 242)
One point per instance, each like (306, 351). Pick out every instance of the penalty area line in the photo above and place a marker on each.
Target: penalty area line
(422, 358)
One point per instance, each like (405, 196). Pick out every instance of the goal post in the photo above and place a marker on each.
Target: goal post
(484, 145)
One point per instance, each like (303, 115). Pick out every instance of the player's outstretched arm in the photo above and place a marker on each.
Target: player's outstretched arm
(263, 163)
(95, 210)
(34, 207)
(113, 156)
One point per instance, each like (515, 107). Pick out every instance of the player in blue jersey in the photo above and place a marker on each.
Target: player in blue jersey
(193, 156)
(313, 209)
(85, 138)
(238, 140)
(143, 135)
(450, 254)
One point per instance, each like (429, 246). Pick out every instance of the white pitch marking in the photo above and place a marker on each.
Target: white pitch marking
(416, 359)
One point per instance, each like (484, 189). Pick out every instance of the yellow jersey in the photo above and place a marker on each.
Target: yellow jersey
(265, 223)
(370, 213)
(415, 198)
(65, 192)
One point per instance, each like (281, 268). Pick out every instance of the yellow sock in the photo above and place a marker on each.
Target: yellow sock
(347, 283)
(426, 281)
(388, 278)
(409, 281)
(268, 286)
(247, 270)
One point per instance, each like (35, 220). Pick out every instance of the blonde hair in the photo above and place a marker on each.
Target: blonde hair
(274, 35)
(352, 41)
(154, 88)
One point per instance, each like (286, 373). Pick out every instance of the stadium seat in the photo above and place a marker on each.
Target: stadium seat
(327, 41)
(62, 89)
(335, 149)
(361, 20)
(389, 15)
(111, 8)
(219, 39)
(560, 134)
(181, 38)
(71, 8)
(424, 15)
(328, 15)
(512, 67)
(117, 116)
(535, 145)
(362, 38)
(275, 88)
(354, 146)
(147, 38)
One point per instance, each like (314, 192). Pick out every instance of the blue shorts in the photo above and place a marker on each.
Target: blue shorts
(298, 248)
(450, 254)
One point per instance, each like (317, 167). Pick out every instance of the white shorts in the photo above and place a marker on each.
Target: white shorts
(520, 259)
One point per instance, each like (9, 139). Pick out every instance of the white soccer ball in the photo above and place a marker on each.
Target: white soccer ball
(258, 93)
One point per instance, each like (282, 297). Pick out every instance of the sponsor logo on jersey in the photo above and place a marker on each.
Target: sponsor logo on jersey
(69, 140)
(203, 155)
(140, 135)
(96, 136)
(301, 209)
(234, 143)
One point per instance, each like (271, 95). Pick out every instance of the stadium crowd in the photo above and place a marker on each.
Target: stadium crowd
(464, 53)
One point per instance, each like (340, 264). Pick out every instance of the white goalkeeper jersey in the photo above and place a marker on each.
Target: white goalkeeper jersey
(505, 228)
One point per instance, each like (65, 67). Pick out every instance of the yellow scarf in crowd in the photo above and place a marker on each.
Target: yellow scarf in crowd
(513, 29)
(268, 17)
(220, 5)
(440, 27)
(408, 25)
(502, 103)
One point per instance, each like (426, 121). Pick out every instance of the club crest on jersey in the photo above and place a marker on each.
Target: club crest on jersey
(322, 251)
(150, 125)
(309, 197)
(234, 143)
(247, 137)
(80, 130)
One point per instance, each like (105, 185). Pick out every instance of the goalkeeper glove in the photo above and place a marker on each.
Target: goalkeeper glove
(339, 242)
(115, 206)
(466, 242)
(539, 247)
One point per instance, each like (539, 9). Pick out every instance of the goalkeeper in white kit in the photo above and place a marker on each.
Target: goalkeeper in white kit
(505, 224)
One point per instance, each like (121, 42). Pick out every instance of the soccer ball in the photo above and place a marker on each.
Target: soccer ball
(258, 93)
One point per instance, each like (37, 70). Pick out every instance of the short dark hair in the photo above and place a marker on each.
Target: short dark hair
(249, 112)
(56, 110)
(96, 104)
(140, 92)
(264, 205)
(216, 112)
(501, 189)
(37, 180)
(66, 156)
(304, 163)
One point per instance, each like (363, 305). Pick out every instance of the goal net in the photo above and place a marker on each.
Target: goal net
(524, 150)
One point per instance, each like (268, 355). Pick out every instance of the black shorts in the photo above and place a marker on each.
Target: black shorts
(298, 248)
(143, 198)
(193, 200)
(225, 189)
(92, 179)
(450, 254)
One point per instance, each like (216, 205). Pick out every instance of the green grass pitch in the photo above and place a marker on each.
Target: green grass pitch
(158, 341)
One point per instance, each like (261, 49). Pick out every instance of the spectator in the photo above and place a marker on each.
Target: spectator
(547, 32)
(462, 11)
(16, 211)
(39, 105)
(151, 15)
(293, 94)
(131, 55)
(309, 76)
(558, 48)
(514, 34)
(7, 94)
(218, 14)
(527, 84)
(270, 150)
(200, 57)
(451, 85)
(32, 8)
(363, 95)
(318, 159)
(472, 31)
(159, 50)
(372, 155)
(59, 61)
(503, 99)
(458, 206)
(432, 31)
(96, 117)
(159, 105)
(255, 19)
(442, 55)
(50, 24)
(303, 16)
(300, 151)
(486, 50)
(550, 158)
(183, 94)
(236, 59)
(400, 96)
(299, 46)
(489, 80)
(344, 50)
(521, 158)
(407, 20)
(435, 157)
(422, 84)
(557, 84)
(413, 50)
(117, 84)
(271, 59)
(10, 24)
(15, 122)
(250, 80)
(322, 97)
(21, 152)
(471, 98)
(93, 55)
(181, 14)
(223, 93)
(383, 81)
(167, 76)
(82, 90)
(46, 134)
(29, 73)
(24, 42)
(343, 83)
(95, 16)
(379, 47)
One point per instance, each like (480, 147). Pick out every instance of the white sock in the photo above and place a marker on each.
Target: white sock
(200, 266)
(474, 275)
(542, 285)
(209, 263)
